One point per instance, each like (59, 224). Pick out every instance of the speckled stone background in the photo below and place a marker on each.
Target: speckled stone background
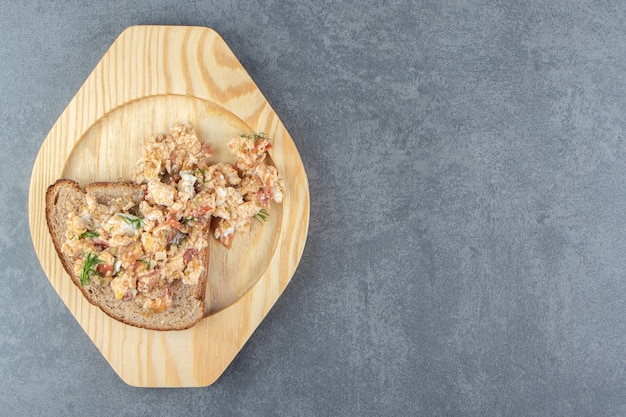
(467, 248)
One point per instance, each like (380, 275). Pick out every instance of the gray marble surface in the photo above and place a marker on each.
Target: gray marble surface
(467, 246)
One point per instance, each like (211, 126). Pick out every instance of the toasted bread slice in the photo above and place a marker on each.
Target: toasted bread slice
(66, 196)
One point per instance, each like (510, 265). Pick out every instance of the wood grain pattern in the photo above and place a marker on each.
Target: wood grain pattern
(151, 78)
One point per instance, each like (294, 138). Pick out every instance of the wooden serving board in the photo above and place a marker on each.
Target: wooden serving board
(151, 78)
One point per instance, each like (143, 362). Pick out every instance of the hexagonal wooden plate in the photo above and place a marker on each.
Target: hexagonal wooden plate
(151, 78)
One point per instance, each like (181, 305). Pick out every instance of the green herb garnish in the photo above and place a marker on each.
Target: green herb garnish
(187, 220)
(255, 136)
(91, 260)
(146, 262)
(261, 216)
(134, 221)
(89, 234)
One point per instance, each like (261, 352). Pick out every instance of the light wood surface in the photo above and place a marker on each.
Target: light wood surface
(151, 78)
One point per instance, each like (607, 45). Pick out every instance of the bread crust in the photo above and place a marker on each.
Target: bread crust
(187, 309)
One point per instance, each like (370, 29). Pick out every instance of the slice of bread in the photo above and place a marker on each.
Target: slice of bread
(66, 196)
